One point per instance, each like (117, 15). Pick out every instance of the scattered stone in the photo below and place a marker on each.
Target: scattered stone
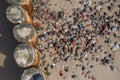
(115, 47)
(55, 60)
(61, 14)
(74, 76)
(112, 68)
(66, 68)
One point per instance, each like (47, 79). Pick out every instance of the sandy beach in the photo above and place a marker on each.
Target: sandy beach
(77, 40)
(98, 71)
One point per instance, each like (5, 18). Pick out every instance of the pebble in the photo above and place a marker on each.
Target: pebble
(113, 68)
(55, 60)
(61, 14)
(115, 47)
(66, 68)
(67, 59)
(74, 76)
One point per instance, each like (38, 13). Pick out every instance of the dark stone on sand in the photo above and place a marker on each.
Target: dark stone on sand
(74, 76)
(60, 14)
(66, 68)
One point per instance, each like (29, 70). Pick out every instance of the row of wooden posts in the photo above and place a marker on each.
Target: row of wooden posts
(26, 55)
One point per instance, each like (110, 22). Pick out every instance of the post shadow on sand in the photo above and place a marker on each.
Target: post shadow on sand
(10, 71)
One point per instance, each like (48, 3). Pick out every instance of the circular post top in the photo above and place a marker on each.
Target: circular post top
(24, 55)
(15, 14)
(33, 74)
(24, 32)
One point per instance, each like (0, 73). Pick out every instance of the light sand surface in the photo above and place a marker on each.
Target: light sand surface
(101, 72)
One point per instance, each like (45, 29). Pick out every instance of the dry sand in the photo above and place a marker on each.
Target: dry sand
(100, 72)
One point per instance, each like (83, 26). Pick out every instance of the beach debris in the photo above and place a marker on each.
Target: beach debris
(113, 68)
(113, 28)
(115, 46)
(98, 8)
(61, 73)
(55, 60)
(74, 76)
(67, 59)
(48, 73)
(52, 65)
(66, 68)
(61, 14)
